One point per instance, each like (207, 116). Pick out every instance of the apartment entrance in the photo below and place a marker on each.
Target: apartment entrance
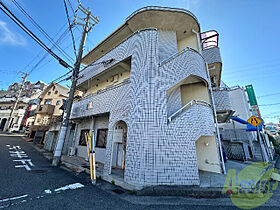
(119, 148)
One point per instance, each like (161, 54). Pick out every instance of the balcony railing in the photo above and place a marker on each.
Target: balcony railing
(209, 39)
(187, 106)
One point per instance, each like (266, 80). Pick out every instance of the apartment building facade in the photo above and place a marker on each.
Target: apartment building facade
(148, 101)
(49, 109)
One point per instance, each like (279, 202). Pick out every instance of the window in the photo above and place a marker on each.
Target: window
(38, 120)
(82, 141)
(58, 102)
(48, 101)
(101, 140)
(21, 107)
(40, 108)
(56, 92)
(49, 93)
(53, 88)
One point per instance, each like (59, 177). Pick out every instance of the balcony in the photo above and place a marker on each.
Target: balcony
(223, 105)
(115, 97)
(212, 55)
(45, 109)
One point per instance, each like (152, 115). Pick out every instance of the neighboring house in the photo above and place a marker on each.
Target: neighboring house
(6, 105)
(19, 118)
(29, 116)
(147, 98)
(48, 110)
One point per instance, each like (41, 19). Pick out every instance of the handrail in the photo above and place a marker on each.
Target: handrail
(188, 105)
(177, 54)
(226, 88)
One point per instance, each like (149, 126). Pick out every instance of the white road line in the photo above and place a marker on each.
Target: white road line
(69, 187)
(48, 191)
(13, 198)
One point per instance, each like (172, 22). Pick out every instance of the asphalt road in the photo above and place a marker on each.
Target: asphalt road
(48, 187)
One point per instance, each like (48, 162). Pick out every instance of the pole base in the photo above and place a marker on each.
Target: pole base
(56, 161)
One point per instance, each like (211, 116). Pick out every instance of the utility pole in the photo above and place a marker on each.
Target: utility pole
(17, 99)
(86, 28)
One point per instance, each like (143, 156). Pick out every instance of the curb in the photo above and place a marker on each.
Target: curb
(183, 191)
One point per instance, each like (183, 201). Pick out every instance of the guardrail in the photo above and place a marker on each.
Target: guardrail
(187, 106)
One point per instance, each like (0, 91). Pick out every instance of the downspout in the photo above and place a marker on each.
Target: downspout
(198, 40)
(216, 121)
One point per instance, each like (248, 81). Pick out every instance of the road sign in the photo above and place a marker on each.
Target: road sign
(251, 95)
(254, 121)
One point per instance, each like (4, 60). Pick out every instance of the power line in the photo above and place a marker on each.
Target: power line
(60, 39)
(270, 104)
(68, 57)
(71, 7)
(70, 28)
(63, 34)
(32, 35)
(273, 94)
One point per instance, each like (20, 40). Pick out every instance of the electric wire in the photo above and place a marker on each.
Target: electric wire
(60, 39)
(270, 104)
(32, 35)
(273, 94)
(70, 28)
(39, 54)
(67, 56)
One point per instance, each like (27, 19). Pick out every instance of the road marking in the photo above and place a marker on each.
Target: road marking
(69, 187)
(48, 191)
(13, 198)
(18, 154)
(25, 164)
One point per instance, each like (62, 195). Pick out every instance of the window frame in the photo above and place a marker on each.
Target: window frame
(82, 139)
(98, 144)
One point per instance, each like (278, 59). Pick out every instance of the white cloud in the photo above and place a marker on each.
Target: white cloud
(191, 5)
(9, 37)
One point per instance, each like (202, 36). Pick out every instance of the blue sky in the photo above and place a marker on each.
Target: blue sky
(248, 31)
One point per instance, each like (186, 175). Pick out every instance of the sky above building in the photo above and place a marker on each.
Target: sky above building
(248, 40)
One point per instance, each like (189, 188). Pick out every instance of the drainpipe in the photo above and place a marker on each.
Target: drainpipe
(198, 40)
(216, 121)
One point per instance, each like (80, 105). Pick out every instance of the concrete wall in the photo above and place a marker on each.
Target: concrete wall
(206, 150)
(104, 84)
(92, 124)
(239, 101)
(190, 41)
(194, 91)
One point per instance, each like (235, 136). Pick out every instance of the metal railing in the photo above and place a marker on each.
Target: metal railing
(177, 54)
(187, 106)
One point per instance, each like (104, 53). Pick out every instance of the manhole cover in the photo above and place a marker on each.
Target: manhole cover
(118, 191)
(38, 171)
